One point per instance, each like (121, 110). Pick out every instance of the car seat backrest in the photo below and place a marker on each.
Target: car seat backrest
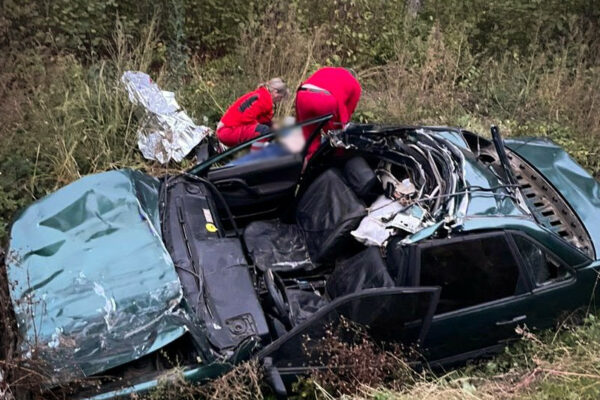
(326, 213)
(361, 178)
(364, 270)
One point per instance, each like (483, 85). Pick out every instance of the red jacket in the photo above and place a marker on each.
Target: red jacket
(255, 107)
(343, 86)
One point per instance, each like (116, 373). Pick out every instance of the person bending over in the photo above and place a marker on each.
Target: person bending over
(251, 114)
(330, 90)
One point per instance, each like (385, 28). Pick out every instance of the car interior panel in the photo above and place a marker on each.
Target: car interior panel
(256, 190)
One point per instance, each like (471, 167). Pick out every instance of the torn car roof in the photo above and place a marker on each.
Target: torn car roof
(444, 169)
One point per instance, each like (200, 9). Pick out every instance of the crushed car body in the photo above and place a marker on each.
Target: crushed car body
(423, 235)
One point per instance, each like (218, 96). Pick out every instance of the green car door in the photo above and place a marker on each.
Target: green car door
(398, 315)
(491, 283)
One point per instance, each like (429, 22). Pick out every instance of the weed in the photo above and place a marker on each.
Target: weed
(241, 383)
(353, 361)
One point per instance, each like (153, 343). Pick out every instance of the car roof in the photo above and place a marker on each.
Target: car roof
(475, 173)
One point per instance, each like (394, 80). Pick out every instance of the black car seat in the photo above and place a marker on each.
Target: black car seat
(325, 215)
(364, 270)
(361, 178)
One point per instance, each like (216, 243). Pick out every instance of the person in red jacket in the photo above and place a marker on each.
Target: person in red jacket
(330, 90)
(251, 114)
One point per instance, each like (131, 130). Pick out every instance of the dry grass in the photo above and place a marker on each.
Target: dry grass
(241, 383)
(354, 363)
(557, 365)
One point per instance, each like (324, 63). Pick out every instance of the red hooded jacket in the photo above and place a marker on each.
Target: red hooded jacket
(343, 86)
(252, 108)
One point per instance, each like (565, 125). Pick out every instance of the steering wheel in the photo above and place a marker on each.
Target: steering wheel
(278, 295)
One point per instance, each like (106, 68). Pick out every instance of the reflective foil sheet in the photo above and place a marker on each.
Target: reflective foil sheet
(166, 132)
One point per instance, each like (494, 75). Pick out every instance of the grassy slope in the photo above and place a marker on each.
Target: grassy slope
(64, 116)
(556, 365)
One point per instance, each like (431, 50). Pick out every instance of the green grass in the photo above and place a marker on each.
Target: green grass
(562, 364)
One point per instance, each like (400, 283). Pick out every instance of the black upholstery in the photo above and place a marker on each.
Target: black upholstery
(361, 178)
(365, 270)
(304, 304)
(325, 215)
(277, 246)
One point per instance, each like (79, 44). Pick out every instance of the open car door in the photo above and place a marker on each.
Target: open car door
(259, 186)
(389, 315)
(253, 186)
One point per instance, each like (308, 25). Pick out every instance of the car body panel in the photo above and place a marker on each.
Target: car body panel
(496, 321)
(574, 183)
(490, 325)
(572, 256)
(98, 289)
(484, 203)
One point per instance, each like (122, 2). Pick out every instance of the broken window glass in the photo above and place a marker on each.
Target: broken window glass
(544, 267)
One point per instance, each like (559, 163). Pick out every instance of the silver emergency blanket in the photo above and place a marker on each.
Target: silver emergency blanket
(166, 132)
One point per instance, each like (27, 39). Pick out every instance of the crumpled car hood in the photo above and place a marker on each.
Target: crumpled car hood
(91, 282)
(572, 181)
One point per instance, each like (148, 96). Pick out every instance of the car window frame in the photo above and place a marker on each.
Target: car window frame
(468, 237)
(204, 166)
(551, 285)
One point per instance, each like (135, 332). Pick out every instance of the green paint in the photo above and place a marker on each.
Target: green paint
(94, 286)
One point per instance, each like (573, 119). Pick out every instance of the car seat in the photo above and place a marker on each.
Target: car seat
(364, 270)
(325, 215)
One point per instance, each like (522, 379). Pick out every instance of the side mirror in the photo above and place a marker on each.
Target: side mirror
(273, 378)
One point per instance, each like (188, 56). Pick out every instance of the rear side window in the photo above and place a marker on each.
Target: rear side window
(471, 272)
(544, 267)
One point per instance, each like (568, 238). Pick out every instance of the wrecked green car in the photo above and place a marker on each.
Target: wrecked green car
(427, 236)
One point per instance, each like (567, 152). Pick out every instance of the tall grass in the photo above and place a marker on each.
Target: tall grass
(67, 118)
(430, 78)
(64, 116)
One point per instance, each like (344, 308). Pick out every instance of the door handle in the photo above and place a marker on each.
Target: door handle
(516, 319)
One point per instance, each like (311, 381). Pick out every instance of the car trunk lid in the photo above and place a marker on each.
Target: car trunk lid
(578, 188)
